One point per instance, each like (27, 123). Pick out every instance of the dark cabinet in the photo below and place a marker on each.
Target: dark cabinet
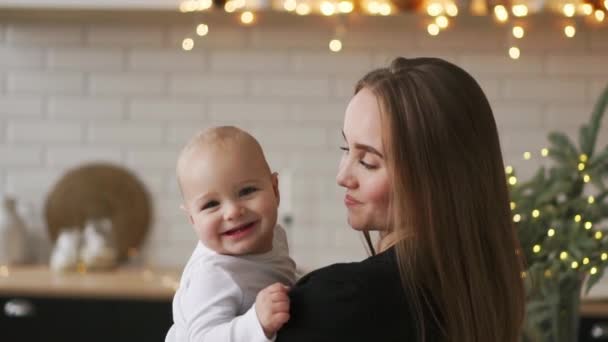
(25, 319)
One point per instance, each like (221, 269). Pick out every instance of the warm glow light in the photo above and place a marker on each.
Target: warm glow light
(586, 178)
(335, 45)
(516, 218)
(590, 199)
(569, 31)
(606, 4)
(204, 4)
(202, 30)
(574, 264)
(544, 152)
(451, 9)
(509, 169)
(186, 6)
(247, 17)
(593, 270)
(518, 32)
(327, 8)
(433, 29)
(187, 44)
(512, 180)
(345, 6)
(513, 205)
(385, 9)
(501, 13)
(604, 256)
(434, 9)
(520, 10)
(373, 7)
(230, 6)
(583, 157)
(290, 5)
(563, 255)
(599, 15)
(585, 261)
(551, 232)
(577, 218)
(527, 155)
(535, 213)
(588, 225)
(587, 9)
(303, 9)
(598, 235)
(536, 248)
(569, 10)
(514, 52)
(442, 21)
(581, 166)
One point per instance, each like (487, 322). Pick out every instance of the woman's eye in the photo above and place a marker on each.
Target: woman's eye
(367, 166)
(345, 149)
(210, 204)
(248, 190)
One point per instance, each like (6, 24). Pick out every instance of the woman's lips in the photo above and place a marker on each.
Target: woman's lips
(350, 201)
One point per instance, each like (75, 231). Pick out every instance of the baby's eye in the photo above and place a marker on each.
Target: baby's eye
(247, 190)
(210, 204)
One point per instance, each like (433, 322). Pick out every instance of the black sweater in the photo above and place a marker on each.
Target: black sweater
(362, 301)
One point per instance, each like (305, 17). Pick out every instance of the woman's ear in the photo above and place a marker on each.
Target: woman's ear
(183, 207)
(275, 186)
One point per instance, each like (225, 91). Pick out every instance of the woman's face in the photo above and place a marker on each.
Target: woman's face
(363, 169)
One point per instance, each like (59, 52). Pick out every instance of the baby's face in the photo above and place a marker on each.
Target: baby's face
(231, 199)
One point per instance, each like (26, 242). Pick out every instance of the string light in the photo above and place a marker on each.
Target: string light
(551, 232)
(536, 248)
(520, 10)
(524, 275)
(585, 261)
(335, 45)
(590, 199)
(451, 9)
(544, 152)
(535, 213)
(385, 9)
(516, 218)
(583, 158)
(581, 166)
(433, 29)
(598, 235)
(574, 265)
(569, 31)
(501, 13)
(606, 4)
(563, 255)
(587, 9)
(229, 6)
(604, 256)
(593, 270)
(187, 44)
(345, 6)
(527, 155)
(569, 10)
(202, 30)
(586, 178)
(247, 17)
(577, 218)
(514, 53)
(588, 225)
(512, 180)
(303, 9)
(599, 15)
(290, 5)
(509, 169)
(547, 273)
(434, 9)
(327, 8)
(513, 205)
(518, 32)
(442, 21)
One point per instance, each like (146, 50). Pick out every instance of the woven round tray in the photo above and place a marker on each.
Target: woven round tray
(97, 191)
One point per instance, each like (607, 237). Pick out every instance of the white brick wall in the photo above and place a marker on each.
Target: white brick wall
(76, 92)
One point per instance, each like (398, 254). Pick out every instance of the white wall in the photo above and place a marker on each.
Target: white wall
(73, 91)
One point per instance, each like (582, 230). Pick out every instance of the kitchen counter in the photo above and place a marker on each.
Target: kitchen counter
(121, 283)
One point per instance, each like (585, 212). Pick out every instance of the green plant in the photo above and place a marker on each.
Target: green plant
(559, 215)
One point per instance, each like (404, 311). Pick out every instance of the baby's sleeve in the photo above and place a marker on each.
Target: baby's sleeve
(210, 304)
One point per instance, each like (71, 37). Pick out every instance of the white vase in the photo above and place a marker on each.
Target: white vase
(13, 233)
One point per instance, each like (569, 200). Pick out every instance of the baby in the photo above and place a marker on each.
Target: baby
(234, 286)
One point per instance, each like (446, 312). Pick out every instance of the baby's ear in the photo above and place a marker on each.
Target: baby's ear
(275, 186)
(183, 207)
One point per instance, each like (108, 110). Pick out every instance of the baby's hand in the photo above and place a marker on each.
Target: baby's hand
(272, 307)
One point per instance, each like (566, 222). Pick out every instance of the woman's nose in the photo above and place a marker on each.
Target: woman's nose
(345, 177)
(233, 211)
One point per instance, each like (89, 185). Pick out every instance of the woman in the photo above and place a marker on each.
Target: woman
(422, 165)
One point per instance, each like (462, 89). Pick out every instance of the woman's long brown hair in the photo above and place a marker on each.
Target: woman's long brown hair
(449, 201)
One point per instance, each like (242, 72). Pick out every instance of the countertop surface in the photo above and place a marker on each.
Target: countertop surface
(121, 283)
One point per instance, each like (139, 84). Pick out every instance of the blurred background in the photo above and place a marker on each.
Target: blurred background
(126, 83)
